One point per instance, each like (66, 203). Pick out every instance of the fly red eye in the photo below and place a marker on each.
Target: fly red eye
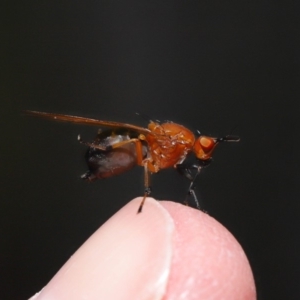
(204, 146)
(206, 143)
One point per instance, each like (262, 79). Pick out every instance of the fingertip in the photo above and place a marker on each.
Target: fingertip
(169, 251)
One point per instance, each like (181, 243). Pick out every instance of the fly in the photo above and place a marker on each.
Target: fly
(160, 146)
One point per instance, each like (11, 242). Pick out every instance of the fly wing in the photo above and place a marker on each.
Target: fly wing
(87, 121)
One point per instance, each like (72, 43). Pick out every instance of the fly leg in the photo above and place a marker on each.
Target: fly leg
(191, 190)
(147, 186)
(186, 170)
(146, 164)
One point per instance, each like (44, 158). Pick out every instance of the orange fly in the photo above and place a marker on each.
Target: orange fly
(160, 146)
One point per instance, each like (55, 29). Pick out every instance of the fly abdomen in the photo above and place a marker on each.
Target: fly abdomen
(111, 162)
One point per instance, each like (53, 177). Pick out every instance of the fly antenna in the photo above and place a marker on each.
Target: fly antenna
(230, 137)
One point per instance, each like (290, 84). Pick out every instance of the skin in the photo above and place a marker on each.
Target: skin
(167, 252)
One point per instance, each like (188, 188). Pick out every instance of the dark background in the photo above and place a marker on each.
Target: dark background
(213, 65)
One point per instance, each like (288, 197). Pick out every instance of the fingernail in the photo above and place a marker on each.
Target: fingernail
(129, 257)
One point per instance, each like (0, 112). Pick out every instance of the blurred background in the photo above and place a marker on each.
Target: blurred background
(215, 66)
